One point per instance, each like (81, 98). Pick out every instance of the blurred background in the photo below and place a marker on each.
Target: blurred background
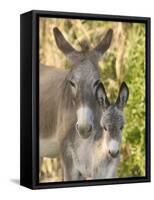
(125, 60)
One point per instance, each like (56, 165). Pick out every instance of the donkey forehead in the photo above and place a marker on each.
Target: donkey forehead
(113, 116)
(85, 70)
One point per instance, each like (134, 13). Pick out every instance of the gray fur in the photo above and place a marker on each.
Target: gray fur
(59, 100)
(96, 157)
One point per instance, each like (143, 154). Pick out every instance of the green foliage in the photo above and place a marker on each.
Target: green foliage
(133, 159)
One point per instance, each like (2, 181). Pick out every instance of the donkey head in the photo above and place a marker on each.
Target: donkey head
(83, 79)
(112, 120)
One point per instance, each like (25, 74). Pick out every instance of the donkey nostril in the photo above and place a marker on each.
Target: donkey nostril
(114, 154)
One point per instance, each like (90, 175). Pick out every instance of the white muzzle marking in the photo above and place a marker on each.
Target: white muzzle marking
(114, 146)
(84, 116)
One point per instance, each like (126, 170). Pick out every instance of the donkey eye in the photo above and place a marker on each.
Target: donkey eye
(72, 83)
(121, 127)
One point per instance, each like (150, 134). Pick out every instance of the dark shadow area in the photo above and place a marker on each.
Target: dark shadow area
(15, 181)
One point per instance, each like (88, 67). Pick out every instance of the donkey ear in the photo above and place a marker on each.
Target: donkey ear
(104, 44)
(123, 96)
(101, 96)
(62, 43)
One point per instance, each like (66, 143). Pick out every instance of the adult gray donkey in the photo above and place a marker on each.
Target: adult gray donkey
(68, 97)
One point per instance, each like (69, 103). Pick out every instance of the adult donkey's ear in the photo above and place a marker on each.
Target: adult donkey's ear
(104, 44)
(101, 96)
(62, 43)
(123, 96)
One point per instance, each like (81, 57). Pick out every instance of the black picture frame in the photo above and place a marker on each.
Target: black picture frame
(29, 90)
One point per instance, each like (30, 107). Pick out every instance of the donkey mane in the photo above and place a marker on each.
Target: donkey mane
(85, 46)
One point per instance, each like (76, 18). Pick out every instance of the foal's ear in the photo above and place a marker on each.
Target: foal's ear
(62, 43)
(123, 96)
(104, 44)
(101, 96)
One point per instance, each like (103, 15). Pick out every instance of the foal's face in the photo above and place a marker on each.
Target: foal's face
(112, 120)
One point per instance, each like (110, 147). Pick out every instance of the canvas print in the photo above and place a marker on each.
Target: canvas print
(91, 99)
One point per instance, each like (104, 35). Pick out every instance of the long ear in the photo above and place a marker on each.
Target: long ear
(101, 96)
(123, 96)
(62, 43)
(104, 44)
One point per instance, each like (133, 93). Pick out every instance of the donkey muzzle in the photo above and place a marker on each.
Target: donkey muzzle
(84, 130)
(114, 154)
(84, 125)
(114, 146)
